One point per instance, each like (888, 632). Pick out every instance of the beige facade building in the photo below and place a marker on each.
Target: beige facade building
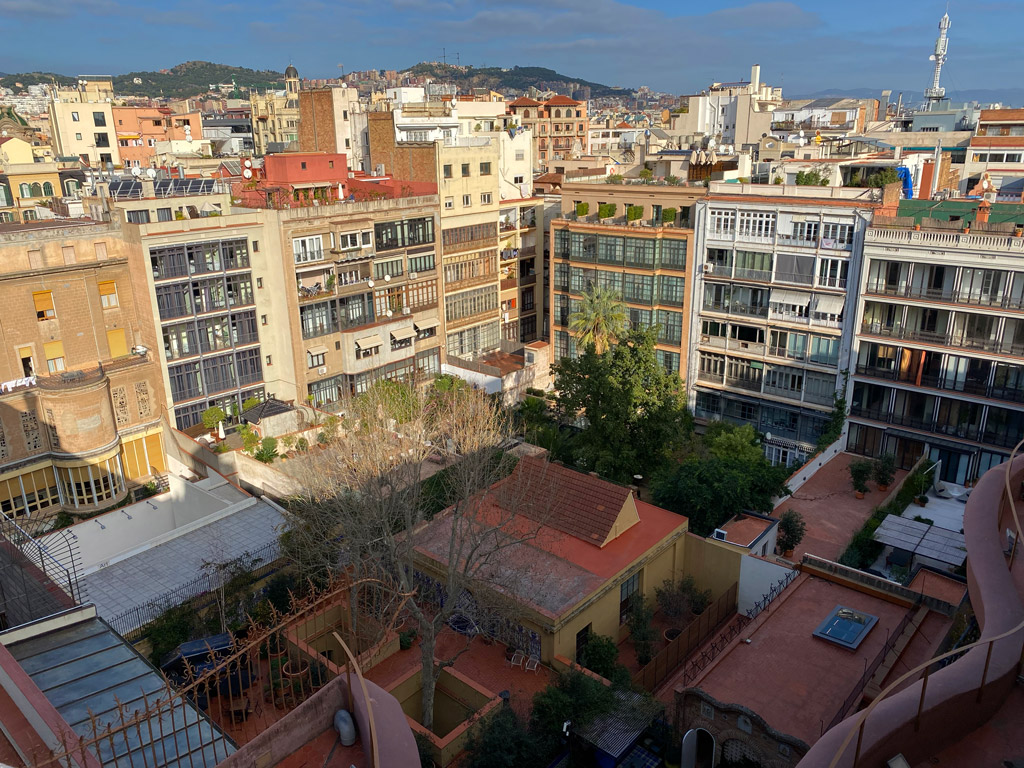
(82, 121)
(275, 116)
(81, 398)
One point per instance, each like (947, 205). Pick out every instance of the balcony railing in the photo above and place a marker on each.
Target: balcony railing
(310, 254)
(530, 279)
(753, 385)
(943, 339)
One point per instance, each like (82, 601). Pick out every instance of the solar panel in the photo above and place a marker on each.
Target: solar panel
(125, 188)
(164, 187)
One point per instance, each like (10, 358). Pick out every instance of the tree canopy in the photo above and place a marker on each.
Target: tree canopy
(600, 319)
(635, 409)
(724, 474)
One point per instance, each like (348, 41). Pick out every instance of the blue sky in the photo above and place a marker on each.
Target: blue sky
(674, 46)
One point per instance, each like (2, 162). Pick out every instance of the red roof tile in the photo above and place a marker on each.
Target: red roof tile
(583, 506)
(525, 101)
(561, 101)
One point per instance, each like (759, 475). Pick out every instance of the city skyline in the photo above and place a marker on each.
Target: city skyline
(801, 46)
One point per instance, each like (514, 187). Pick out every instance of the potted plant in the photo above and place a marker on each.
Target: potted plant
(860, 471)
(791, 532)
(212, 417)
(295, 669)
(406, 638)
(884, 470)
(922, 500)
(674, 601)
(302, 445)
(318, 677)
(582, 209)
(700, 599)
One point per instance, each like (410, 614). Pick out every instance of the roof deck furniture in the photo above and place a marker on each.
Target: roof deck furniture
(517, 659)
(532, 663)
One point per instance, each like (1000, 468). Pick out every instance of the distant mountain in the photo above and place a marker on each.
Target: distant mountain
(191, 78)
(515, 79)
(1006, 96)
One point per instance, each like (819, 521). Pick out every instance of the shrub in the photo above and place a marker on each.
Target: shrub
(500, 741)
(673, 599)
(213, 416)
(267, 451)
(606, 210)
(302, 445)
(406, 638)
(600, 655)
(884, 469)
(614, 178)
(671, 179)
(640, 629)
(250, 440)
(860, 471)
(634, 212)
(646, 174)
(791, 530)
(668, 215)
(250, 402)
(925, 520)
(582, 209)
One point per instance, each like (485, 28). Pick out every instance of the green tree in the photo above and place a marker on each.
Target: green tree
(600, 320)
(882, 178)
(601, 656)
(576, 698)
(646, 174)
(791, 530)
(641, 632)
(635, 409)
(213, 416)
(502, 741)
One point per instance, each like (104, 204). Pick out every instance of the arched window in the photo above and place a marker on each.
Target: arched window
(526, 113)
(6, 217)
(558, 113)
(29, 216)
(37, 190)
(47, 189)
(24, 190)
(71, 186)
(5, 196)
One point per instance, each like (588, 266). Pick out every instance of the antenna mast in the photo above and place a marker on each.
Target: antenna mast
(936, 93)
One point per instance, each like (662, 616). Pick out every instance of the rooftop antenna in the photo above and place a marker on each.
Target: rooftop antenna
(936, 93)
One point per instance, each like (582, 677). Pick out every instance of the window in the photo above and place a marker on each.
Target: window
(315, 358)
(108, 294)
(101, 140)
(485, 169)
(421, 263)
(404, 234)
(137, 217)
(756, 224)
(369, 350)
(53, 351)
(47, 189)
(485, 198)
(303, 166)
(517, 179)
(392, 268)
(263, 319)
(722, 222)
(44, 305)
(99, 119)
(449, 203)
(838, 234)
(627, 589)
(520, 156)
(164, 214)
(74, 117)
(465, 169)
(805, 230)
(467, 200)
(307, 249)
(78, 137)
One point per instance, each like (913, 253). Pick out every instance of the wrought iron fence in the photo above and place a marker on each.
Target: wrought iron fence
(774, 591)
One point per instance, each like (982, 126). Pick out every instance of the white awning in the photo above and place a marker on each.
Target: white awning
(782, 296)
(426, 325)
(369, 342)
(317, 350)
(829, 305)
(402, 334)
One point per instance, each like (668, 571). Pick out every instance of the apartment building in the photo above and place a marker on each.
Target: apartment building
(82, 121)
(81, 403)
(647, 260)
(560, 127)
(275, 116)
(996, 151)
(737, 113)
(331, 120)
(939, 351)
(770, 341)
(139, 129)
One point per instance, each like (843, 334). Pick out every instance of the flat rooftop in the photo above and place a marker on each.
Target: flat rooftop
(791, 678)
(745, 529)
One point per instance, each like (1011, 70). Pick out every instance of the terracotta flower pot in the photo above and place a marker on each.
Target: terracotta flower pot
(859, 494)
(672, 633)
(883, 488)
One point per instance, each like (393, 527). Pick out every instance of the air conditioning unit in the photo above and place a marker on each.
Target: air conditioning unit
(705, 339)
(406, 311)
(709, 268)
(321, 370)
(719, 534)
(413, 275)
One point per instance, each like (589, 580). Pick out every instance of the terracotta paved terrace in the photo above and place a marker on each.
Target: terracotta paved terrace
(832, 513)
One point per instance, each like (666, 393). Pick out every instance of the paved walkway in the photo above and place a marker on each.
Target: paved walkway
(832, 513)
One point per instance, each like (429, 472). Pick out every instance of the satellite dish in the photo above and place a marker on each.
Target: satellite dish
(151, 172)
(247, 163)
(801, 134)
(136, 172)
(387, 278)
(389, 313)
(369, 283)
(247, 173)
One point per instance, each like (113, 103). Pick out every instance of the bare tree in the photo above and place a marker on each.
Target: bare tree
(367, 506)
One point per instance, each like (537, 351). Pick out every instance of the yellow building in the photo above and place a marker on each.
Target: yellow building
(15, 151)
(30, 185)
(82, 121)
(275, 116)
(592, 545)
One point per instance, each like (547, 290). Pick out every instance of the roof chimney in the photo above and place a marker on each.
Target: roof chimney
(984, 209)
(755, 78)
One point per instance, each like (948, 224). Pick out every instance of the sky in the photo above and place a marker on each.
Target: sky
(673, 46)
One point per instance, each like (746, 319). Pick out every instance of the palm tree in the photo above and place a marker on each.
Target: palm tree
(600, 319)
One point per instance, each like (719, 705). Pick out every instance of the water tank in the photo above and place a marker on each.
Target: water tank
(345, 727)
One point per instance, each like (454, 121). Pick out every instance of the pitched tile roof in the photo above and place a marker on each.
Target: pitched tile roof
(561, 101)
(582, 506)
(525, 101)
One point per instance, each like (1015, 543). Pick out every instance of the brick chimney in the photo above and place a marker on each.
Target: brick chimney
(984, 209)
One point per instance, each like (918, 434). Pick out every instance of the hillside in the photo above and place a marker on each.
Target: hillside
(189, 79)
(515, 78)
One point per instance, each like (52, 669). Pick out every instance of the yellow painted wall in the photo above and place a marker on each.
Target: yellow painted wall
(715, 565)
(134, 455)
(16, 180)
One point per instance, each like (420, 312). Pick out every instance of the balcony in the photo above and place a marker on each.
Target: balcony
(479, 317)
(316, 292)
(760, 275)
(308, 255)
(741, 382)
(529, 279)
(710, 378)
(735, 308)
(508, 284)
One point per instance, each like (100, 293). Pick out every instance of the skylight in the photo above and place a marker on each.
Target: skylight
(846, 627)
